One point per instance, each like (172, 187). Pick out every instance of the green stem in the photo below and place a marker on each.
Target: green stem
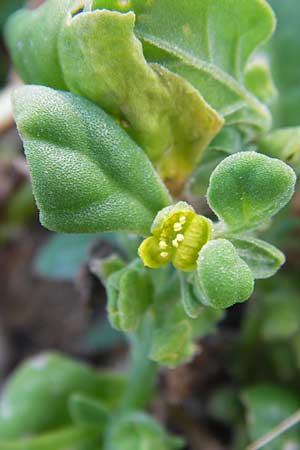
(142, 372)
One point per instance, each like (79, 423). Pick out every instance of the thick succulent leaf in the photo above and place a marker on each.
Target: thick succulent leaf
(31, 36)
(247, 189)
(223, 277)
(113, 73)
(137, 430)
(50, 379)
(266, 406)
(87, 174)
(79, 438)
(129, 292)
(207, 52)
(263, 259)
(284, 144)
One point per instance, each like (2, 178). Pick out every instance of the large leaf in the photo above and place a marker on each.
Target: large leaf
(248, 188)
(36, 396)
(88, 175)
(210, 41)
(113, 72)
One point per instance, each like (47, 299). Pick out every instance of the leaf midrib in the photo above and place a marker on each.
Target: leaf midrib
(209, 68)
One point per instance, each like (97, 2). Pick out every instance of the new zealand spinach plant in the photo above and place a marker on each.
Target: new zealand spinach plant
(133, 113)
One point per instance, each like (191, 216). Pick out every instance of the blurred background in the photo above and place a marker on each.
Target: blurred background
(49, 298)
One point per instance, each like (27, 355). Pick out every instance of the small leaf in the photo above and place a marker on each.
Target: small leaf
(87, 411)
(136, 431)
(173, 344)
(88, 175)
(223, 276)
(248, 188)
(263, 259)
(283, 144)
(258, 79)
(50, 379)
(191, 304)
(129, 294)
(105, 267)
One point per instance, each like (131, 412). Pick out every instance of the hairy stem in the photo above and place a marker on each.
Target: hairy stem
(142, 372)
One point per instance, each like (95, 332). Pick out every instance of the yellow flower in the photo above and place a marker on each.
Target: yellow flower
(178, 234)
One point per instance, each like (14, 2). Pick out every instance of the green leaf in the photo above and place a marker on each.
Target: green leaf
(129, 294)
(263, 259)
(258, 79)
(228, 141)
(173, 344)
(283, 144)
(104, 267)
(87, 411)
(247, 189)
(267, 405)
(62, 255)
(175, 330)
(88, 175)
(223, 277)
(79, 438)
(194, 39)
(138, 431)
(191, 304)
(31, 37)
(36, 396)
(113, 73)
